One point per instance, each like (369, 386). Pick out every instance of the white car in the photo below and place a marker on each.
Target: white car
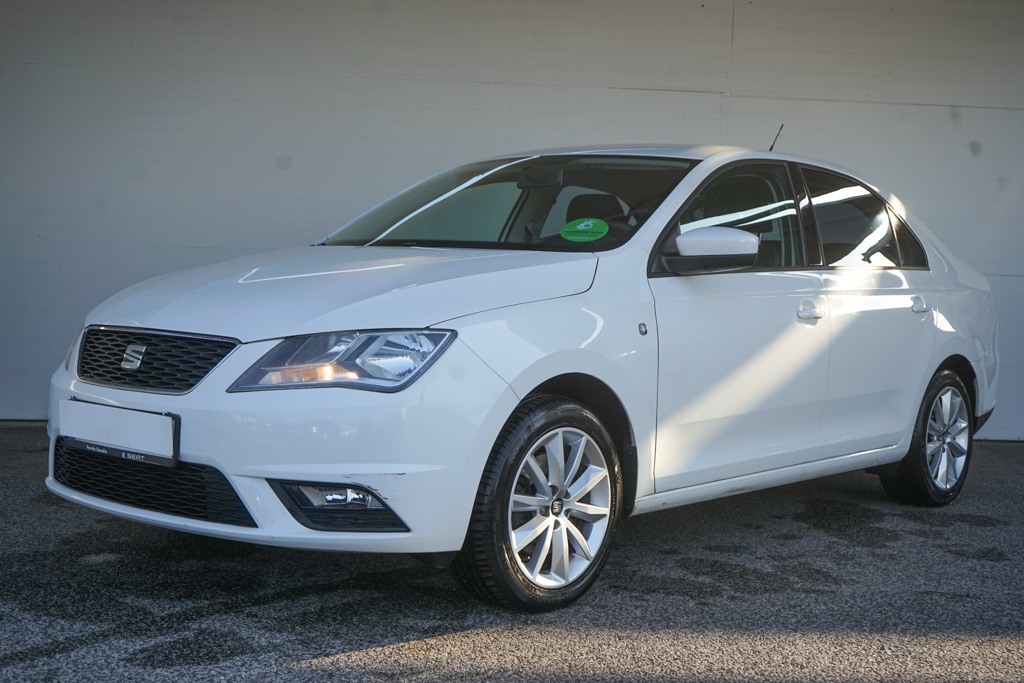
(491, 368)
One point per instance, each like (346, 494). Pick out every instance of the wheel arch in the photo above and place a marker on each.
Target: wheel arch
(965, 371)
(600, 399)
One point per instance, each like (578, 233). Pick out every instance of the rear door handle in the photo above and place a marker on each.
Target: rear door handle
(918, 305)
(809, 311)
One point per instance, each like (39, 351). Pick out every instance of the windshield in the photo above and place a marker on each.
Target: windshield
(551, 203)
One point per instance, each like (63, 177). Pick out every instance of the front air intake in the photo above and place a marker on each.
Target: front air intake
(185, 490)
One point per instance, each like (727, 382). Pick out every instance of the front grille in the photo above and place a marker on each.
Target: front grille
(185, 490)
(170, 363)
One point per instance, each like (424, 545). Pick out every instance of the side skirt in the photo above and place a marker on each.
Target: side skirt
(768, 479)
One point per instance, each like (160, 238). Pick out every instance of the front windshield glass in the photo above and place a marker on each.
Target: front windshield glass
(551, 203)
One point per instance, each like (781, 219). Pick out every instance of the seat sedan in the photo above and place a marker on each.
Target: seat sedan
(493, 367)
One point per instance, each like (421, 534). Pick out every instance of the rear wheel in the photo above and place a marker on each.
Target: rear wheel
(545, 510)
(934, 470)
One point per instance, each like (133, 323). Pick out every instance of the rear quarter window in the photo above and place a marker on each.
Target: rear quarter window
(911, 252)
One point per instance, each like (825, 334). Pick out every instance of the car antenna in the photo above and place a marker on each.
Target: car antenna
(776, 138)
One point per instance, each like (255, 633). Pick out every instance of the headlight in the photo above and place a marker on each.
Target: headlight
(378, 361)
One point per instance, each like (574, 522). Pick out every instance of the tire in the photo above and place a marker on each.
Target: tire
(545, 510)
(934, 470)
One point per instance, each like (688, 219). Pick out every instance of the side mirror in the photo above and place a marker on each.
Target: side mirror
(713, 250)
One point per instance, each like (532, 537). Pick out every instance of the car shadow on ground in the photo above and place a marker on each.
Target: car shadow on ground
(824, 570)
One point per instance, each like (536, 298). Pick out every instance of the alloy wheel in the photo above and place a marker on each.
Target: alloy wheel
(948, 435)
(559, 507)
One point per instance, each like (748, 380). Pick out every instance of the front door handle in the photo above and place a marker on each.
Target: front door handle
(918, 305)
(809, 311)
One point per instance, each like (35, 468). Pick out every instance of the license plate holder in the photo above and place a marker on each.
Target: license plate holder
(135, 435)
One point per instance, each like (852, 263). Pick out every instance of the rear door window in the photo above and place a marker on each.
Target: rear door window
(853, 223)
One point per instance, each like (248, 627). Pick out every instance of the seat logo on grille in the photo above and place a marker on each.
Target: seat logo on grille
(133, 356)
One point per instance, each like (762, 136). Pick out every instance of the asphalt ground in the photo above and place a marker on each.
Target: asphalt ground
(821, 581)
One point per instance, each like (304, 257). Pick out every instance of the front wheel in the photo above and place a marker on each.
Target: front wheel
(934, 470)
(545, 510)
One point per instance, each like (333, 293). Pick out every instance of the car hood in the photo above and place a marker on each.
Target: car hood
(318, 289)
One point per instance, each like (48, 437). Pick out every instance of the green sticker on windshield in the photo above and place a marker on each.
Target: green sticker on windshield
(584, 230)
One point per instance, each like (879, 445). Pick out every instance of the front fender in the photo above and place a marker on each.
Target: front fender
(597, 333)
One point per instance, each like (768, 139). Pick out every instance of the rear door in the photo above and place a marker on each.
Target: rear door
(881, 299)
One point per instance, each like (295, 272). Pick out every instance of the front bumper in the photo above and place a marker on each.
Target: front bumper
(421, 450)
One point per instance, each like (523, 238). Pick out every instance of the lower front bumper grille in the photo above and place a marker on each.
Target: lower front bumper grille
(185, 490)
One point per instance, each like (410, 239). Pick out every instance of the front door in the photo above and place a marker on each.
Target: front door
(743, 356)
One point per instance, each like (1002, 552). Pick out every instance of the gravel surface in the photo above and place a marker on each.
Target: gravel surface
(820, 581)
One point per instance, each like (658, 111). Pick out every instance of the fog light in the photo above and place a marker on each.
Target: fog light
(336, 507)
(326, 496)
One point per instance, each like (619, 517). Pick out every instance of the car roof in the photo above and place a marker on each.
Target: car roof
(695, 152)
(716, 155)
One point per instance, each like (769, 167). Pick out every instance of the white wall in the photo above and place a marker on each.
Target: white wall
(143, 136)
